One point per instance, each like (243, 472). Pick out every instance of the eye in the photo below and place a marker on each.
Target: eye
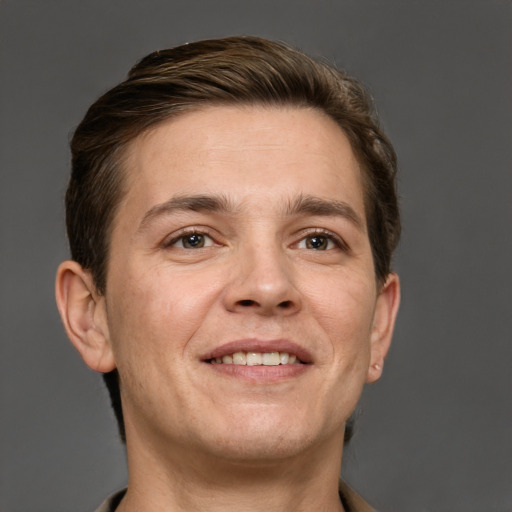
(318, 242)
(192, 241)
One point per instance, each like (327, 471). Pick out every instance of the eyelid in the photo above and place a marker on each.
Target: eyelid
(336, 239)
(174, 237)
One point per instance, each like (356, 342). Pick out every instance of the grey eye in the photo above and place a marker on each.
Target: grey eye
(193, 241)
(318, 243)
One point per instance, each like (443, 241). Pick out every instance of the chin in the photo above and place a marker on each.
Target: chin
(264, 438)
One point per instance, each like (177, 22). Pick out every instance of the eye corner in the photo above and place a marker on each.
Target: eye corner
(320, 240)
(187, 239)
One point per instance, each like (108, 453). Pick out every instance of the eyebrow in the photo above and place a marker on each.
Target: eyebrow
(312, 205)
(300, 205)
(195, 203)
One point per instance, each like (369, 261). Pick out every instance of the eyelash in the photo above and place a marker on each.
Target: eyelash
(187, 232)
(329, 235)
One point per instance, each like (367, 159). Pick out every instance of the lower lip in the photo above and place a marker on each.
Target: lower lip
(260, 373)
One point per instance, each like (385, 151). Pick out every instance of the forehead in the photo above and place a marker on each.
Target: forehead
(245, 152)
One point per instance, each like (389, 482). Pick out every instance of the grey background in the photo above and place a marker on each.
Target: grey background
(436, 433)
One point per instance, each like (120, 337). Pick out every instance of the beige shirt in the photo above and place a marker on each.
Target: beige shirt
(350, 499)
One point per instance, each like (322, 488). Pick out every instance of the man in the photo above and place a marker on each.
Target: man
(231, 216)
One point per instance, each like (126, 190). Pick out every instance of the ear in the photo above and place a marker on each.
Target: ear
(386, 310)
(83, 313)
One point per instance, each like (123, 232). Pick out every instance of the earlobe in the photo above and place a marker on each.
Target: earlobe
(83, 314)
(386, 310)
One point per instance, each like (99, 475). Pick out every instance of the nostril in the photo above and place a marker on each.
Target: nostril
(246, 302)
(250, 303)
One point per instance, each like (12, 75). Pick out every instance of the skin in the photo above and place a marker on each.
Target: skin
(274, 269)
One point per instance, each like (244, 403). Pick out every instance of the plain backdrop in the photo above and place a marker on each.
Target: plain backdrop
(435, 434)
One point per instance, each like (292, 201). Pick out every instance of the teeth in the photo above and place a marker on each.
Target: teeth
(239, 358)
(254, 359)
(257, 359)
(271, 358)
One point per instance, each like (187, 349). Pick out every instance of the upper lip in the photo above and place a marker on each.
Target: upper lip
(258, 345)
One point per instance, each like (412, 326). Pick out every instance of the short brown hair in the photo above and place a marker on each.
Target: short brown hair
(230, 71)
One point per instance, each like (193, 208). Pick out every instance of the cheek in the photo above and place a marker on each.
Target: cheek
(158, 308)
(344, 306)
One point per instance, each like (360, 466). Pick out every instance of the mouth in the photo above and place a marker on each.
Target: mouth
(254, 352)
(257, 359)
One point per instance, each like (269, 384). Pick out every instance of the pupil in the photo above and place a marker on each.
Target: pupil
(194, 241)
(317, 242)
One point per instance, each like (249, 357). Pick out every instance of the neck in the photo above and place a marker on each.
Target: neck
(177, 479)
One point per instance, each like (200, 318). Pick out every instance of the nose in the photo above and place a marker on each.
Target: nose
(262, 282)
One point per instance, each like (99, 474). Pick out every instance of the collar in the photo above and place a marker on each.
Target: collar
(352, 502)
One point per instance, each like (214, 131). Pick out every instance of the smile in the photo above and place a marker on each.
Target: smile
(257, 359)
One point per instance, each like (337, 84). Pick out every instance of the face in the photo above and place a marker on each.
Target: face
(242, 240)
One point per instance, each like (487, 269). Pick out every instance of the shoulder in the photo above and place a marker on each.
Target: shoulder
(111, 503)
(352, 502)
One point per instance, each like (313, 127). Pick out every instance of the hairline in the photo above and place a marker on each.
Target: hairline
(121, 165)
